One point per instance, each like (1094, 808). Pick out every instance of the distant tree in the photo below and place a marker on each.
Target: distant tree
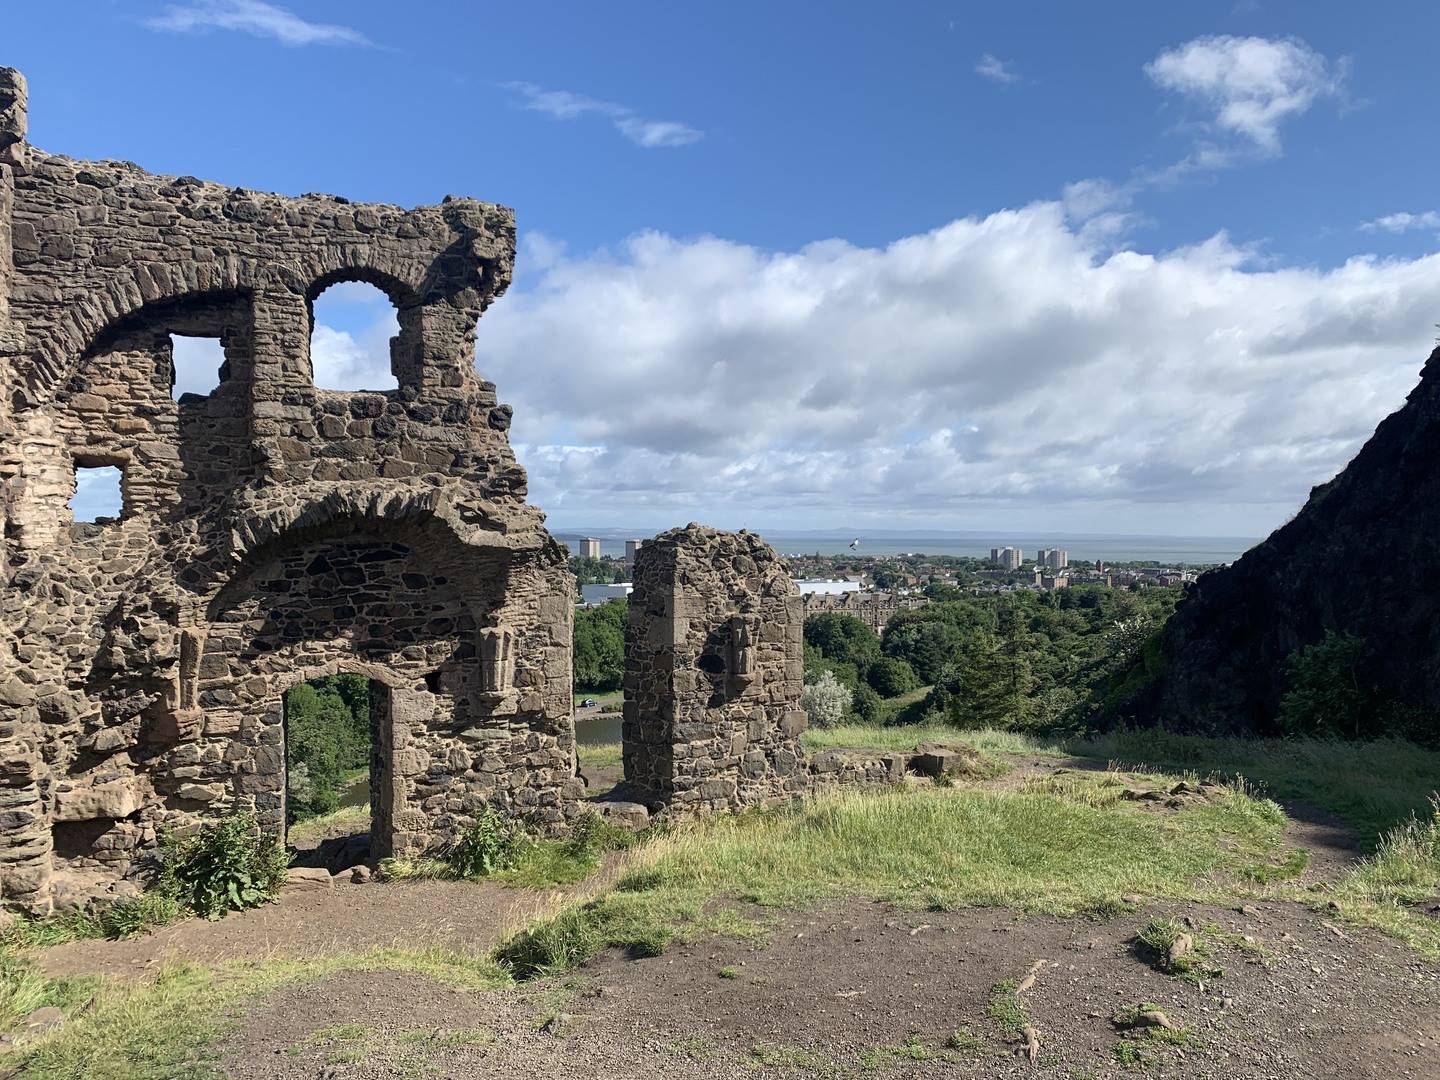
(842, 638)
(994, 691)
(324, 740)
(927, 646)
(889, 676)
(599, 646)
(826, 701)
(589, 571)
(865, 703)
(1331, 693)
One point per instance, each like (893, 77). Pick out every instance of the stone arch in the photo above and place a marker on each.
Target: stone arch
(392, 266)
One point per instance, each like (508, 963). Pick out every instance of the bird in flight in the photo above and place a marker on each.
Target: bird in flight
(855, 543)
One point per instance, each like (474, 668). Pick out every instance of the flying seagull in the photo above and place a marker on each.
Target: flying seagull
(855, 543)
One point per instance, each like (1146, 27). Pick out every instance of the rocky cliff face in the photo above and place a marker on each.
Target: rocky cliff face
(1362, 556)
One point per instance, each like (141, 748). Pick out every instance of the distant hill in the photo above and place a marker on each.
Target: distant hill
(1362, 557)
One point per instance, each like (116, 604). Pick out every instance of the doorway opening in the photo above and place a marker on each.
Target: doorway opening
(336, 759)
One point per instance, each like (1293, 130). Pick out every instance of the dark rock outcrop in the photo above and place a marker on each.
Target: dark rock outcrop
(1360, 557)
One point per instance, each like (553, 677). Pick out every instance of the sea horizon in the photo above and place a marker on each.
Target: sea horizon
(1117, 547)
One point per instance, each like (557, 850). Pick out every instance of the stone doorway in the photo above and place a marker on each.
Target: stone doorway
(341, 788)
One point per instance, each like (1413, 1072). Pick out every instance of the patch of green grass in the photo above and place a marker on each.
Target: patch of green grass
(728, 972)
(1129, 1056)
(964, 1040)
(876, 737)
(338, 822)
(445, 1038)
(143, 914)
(1160, 936)
(522, 861)
(914, 1049)
(1403, 871)
(26, 933)
(600, 755)
(168, 1028)
(785, 1058)
(938, 848)
(1005, 1008)
(694, 1047)
(1376, 786)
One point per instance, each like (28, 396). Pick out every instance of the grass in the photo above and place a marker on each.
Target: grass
(168, 1028)
(600, 755)
(1376, 786)
(347, 818)
(1154, 944)
(527, 862)
(939, 848)
(1380, 892)
(1007, 1011)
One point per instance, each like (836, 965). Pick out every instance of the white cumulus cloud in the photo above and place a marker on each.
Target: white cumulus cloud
(1249, 86)
(995, 367)
(1403, 222)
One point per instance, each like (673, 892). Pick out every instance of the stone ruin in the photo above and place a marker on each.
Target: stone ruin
(272, 532)
(713, 667)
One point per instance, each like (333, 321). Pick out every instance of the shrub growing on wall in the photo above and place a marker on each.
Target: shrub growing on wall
(222, 866)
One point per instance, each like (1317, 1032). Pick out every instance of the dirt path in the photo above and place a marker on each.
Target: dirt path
(342, 918)
(857, 990)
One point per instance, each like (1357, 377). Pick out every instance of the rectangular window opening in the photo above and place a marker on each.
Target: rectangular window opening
(99, 493)
(197, 366)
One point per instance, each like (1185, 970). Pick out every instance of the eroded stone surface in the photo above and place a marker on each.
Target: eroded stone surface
(272, 532)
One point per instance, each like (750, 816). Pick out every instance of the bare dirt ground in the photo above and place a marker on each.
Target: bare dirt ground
(854, 989)
(312, 922)
(858, 989)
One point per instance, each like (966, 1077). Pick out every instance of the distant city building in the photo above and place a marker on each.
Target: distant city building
(599, 594)
(1049, 582)
(589, 548)
(631, 547)
(833, 588)
(1054, 558)
(873, 608)
(1008, 557)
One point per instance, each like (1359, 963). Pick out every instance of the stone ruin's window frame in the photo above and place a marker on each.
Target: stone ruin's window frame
(81, 463)
(405, 370)
(222, 370)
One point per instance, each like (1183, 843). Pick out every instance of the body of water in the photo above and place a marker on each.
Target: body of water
(1116, 547)
(599, 730)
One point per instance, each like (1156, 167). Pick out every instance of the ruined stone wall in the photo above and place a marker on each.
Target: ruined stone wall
(713, 670)
(271, 531)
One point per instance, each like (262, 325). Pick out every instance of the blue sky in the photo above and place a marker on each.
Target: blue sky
(1126, 267)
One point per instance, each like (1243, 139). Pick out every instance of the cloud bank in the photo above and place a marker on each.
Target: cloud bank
(992, 367)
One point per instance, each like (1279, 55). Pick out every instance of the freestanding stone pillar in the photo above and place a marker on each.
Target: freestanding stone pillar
(713, 672)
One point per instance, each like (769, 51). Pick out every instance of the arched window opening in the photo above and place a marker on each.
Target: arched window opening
(351, 327)
(197, 366)
(98, 493)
